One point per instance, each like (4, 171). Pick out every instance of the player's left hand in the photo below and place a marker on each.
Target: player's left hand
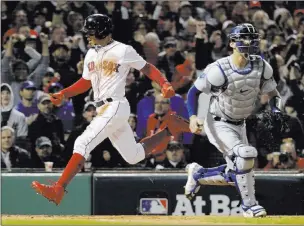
(167, 90)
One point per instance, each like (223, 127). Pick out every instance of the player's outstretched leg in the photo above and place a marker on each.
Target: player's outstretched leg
(198, 175)
(55, 192)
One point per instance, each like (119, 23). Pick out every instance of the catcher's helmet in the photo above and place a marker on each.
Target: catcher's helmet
(99, 25)
(247, 39)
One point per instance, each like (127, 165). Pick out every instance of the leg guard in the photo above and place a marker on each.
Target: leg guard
(243, 175)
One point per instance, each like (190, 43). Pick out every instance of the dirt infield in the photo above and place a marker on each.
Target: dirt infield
(147, 220)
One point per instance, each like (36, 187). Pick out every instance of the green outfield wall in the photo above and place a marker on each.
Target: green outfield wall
(17, 196)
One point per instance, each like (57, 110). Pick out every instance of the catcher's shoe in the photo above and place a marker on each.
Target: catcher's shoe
(192, 186)
(54, 193)
(177, 124)
(254, 211)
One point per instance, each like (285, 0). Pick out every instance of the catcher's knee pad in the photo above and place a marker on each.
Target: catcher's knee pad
(244, 157)
(245, 151)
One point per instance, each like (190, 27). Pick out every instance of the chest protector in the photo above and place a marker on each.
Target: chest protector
(236, 100)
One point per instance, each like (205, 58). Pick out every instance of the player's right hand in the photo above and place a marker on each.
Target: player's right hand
(196, 124)
(57, 98)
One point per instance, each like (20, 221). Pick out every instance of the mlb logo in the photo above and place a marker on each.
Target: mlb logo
(153, 206)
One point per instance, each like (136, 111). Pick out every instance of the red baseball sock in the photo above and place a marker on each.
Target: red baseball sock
(74, 165)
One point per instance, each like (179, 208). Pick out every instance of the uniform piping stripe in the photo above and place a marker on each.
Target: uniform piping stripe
(85, 150)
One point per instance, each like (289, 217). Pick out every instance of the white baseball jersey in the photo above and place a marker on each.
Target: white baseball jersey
(107, 68)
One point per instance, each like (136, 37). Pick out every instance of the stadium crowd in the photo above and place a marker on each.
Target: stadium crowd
(43, 52)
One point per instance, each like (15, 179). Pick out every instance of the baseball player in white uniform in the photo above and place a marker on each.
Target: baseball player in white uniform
(106, 67)
(234, 84)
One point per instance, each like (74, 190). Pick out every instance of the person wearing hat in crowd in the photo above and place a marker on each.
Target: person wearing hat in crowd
(20, 70)
(174, 157)
(170, 58)
(65, 111)
(171, 26)
(68, 76)
(47, 124)
(185, 12)
(28, 102)
(10, 116)
(40, 19)
(12, 156)
(44, 153)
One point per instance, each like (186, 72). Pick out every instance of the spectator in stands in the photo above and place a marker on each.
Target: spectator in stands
(20, 19)
(11, 117)
(44, 153)
(103, 159)
(294, 127)
(83, 7)
(297, 87)
(260, 19)
(151, 47)
(170, 58)
(47, 124)
(252, 8)
(4, 19)
(58, 35)
(12, 156)
(28, 103)
(285, 159)
(40, 17)
(20, 69)
(48, 78)
(65, 111)
(240, 13)
(169, 27)
(68, 76)
(175, 158)
(203, 47)
(185, 11)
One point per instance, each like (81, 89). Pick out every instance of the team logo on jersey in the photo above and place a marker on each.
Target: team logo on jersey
(153, 206)
(107, 67)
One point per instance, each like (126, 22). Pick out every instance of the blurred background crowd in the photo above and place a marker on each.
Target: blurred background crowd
(43, 52)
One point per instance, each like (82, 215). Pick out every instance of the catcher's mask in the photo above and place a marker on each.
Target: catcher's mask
(247, 40)
(98, 25)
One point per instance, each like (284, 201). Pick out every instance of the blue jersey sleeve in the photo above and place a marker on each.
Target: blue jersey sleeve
(192, 100)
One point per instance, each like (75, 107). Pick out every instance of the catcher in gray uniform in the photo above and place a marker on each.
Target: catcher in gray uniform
(234, 84)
